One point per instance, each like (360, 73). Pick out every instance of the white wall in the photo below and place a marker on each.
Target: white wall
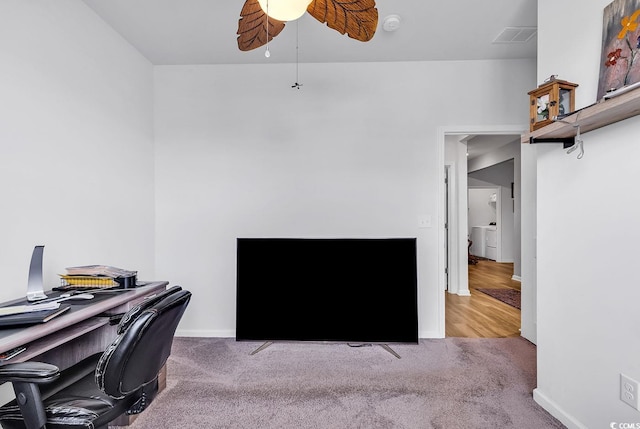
(353, 153)
(455, 157)
(501, 154)
(517, 218)
(506, 226)
(76, 144)
(482, 211)
(587, 240)
(528, 201)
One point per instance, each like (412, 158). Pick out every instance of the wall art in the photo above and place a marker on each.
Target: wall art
(620, 60)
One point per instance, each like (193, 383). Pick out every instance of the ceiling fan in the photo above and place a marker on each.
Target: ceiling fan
(357, 18)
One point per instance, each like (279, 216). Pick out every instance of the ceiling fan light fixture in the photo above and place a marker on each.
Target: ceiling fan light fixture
(284, 10)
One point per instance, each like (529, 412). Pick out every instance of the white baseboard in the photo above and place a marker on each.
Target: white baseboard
(202, 333)
(460, 292)
(516, 278)
(556, 411)
(429, 335)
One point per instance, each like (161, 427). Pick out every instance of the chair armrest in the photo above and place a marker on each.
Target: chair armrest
(29, 372)
(25, 378)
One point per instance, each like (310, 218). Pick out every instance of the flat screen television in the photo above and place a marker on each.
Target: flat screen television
(334, 290)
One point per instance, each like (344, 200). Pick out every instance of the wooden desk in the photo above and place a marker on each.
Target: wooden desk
(79, 332)
(80, 320)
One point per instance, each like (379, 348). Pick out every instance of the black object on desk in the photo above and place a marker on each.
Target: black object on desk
(32, 317)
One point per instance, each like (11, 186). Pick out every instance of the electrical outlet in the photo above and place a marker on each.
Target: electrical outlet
(629, 391)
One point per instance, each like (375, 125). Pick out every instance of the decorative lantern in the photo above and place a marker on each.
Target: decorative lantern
(553, 99)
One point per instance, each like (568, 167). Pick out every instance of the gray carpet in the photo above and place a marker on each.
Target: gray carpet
(449, 383)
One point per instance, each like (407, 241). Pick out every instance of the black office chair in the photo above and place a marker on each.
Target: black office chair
(90, 394)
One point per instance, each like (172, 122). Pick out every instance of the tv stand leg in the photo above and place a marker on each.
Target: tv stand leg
(390, 350)
(262, 347)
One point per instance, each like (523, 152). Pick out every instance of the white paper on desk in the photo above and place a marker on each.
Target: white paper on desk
(19, 309)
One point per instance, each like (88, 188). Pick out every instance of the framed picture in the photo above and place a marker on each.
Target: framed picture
(620, 59)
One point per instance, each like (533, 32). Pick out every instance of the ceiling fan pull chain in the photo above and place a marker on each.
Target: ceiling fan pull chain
(296, 85)
(266, 15)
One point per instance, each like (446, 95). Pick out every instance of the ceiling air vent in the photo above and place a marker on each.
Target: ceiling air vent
(516, 35)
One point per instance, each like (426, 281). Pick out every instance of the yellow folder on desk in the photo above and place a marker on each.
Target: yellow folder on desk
(94, 281)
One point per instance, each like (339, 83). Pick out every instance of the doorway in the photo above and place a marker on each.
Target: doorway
(454, 235)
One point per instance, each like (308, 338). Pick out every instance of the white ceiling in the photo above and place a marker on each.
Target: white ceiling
(204, 32)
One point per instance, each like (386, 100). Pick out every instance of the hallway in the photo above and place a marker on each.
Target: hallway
(479, 315)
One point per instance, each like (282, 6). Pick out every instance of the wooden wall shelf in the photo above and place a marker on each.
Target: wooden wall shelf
(590, 118)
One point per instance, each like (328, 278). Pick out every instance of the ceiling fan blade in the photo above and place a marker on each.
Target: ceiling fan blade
(357, 18)
(252, 26)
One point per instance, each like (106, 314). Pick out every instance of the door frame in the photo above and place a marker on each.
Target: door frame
(460, 215)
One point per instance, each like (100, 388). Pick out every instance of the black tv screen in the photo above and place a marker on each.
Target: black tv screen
(317, 289)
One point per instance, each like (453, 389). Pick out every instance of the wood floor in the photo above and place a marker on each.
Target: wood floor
(479, 315)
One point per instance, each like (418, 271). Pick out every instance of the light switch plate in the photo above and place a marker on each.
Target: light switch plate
(425, 221)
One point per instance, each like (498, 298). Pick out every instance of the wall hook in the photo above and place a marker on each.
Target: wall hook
(578, 144)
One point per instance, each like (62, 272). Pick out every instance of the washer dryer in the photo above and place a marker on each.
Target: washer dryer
(478, 238)
(484, 240)
(491, 243)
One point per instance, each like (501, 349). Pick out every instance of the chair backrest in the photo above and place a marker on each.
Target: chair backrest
(131, 315)
(143, 344)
